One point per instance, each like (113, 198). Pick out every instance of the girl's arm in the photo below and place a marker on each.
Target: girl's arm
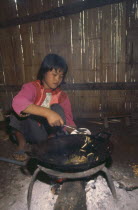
(52, 117)
(23, 102)
(25, 97)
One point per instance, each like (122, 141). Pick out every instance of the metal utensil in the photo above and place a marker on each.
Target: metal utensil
(76, 129)
(67, 126)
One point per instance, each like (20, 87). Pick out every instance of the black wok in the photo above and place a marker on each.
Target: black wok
(56, 152)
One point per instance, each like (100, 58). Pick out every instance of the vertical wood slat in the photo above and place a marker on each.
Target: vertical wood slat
(93, 42)
(7, 10)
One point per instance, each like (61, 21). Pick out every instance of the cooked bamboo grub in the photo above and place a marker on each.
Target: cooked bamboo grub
(77, 160)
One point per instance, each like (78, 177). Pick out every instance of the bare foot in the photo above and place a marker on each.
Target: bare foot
(20, 155)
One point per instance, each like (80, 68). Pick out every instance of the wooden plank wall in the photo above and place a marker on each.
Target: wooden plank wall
(100, 45)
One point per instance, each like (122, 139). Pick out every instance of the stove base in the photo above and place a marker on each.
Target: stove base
(75, 175)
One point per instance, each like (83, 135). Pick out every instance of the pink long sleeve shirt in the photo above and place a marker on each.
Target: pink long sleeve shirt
(27, 96)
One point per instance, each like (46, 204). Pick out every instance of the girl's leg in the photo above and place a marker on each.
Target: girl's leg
(26, 130)
(58, 109)
(17, 131)
(20, 152)
(29, 129)
(34, 129)
(20, 140)
(58, 130)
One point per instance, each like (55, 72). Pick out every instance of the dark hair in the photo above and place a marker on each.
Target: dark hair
(50, 62)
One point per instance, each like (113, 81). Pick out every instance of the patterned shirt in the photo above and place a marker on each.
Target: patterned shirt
(27, 96)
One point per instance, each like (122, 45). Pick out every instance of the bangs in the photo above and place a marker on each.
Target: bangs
(50, 62)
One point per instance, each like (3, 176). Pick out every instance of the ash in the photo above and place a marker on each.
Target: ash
(42, 198)
(99, 196)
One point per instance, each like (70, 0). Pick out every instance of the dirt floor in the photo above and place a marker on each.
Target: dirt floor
(124, 168)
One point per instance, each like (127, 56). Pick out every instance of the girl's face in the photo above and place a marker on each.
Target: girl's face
(52, 79)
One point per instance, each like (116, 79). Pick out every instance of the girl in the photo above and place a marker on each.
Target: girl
(41, 108)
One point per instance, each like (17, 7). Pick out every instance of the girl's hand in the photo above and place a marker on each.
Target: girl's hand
(54, 119)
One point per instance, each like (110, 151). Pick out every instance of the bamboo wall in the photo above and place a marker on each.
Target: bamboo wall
(100, 45)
